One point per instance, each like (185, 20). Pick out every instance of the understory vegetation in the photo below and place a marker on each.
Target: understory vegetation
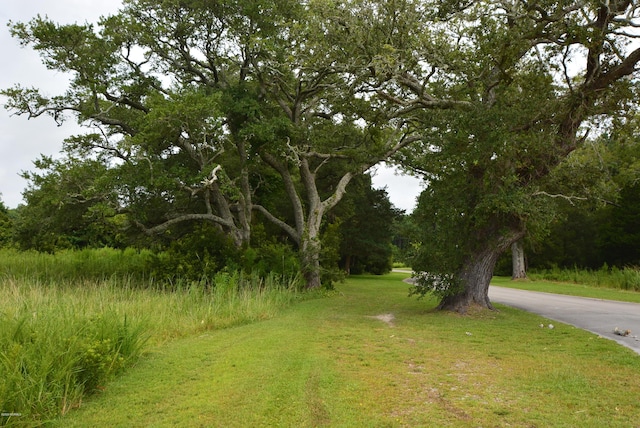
(72, 321)
(73, 265)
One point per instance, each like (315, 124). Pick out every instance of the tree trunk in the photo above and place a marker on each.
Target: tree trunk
(476, 273)
(474, 278)
(518, 261)
(310, 257)
(347, 264)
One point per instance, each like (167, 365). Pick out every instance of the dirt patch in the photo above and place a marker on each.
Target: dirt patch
(385, 318)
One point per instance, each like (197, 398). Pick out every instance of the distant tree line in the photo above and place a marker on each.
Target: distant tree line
(357, 236)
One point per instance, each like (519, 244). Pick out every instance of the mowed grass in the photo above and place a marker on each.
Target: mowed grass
(337, 362)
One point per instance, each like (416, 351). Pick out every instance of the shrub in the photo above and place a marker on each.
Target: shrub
(196, 256)
(271, 258)
(440, 285)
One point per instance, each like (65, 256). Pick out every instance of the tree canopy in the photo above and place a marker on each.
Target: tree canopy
(539, 80)
(237, 112)
(192, 104)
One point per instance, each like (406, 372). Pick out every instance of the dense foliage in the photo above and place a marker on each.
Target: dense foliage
(6, 225)
(201, 113)
(535, 78)
(365, 225)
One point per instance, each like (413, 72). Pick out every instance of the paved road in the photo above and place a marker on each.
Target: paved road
(595, 315)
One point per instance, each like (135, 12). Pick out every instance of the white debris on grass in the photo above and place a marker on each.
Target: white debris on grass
(386, 318)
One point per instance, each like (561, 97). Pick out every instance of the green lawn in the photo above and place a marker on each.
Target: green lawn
(331, 362)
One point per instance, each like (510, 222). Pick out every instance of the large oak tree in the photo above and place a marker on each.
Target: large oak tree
(540, 78)
(191, 102)
(194, 101)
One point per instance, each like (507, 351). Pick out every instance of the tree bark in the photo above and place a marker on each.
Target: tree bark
(306, 232)
(476, 273)
(474, 278)
(310, 257)
(519, 266)
(347, 264)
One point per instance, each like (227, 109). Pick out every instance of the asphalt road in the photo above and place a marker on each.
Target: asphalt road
(595, 315)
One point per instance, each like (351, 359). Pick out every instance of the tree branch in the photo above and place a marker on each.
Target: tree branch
(289, 186)
(570, 199)
(625, 68)
(275, 220)
(185, 217)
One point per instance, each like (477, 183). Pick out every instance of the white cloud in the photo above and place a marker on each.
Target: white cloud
(403, 189)
(22, 141)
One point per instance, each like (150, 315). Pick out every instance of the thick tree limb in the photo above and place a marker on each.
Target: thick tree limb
(337, 195)
(125, 127)
(290, 188)
(126, 101)
(626, 68)
(275, 220)
(183, 218)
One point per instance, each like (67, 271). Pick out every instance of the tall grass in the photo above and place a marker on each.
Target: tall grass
(57, 344)
(74, 265)
(66, 330)
(627, 278)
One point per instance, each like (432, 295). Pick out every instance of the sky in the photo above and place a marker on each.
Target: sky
(22, 141)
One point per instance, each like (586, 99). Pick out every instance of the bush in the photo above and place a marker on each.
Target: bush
(271, 258)
(196, 256)
(440, 285)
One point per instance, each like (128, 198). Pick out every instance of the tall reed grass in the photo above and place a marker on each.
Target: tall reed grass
(627, 278)
(57, 344)
(74, 265)
(66, 330)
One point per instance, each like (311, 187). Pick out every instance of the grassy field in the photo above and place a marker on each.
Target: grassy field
(368, 356)
(64, 339)
(627, 278)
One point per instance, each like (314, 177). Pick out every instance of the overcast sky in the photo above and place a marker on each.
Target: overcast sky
(22, 141)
